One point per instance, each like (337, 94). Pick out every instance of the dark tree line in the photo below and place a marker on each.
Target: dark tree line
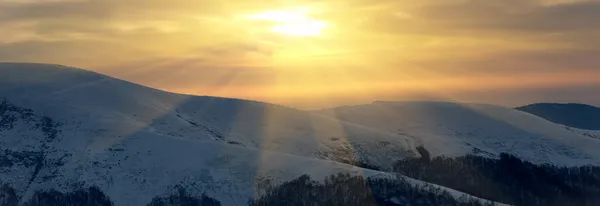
(340, 189)
(88, 197)
(95, 197)
(343, 189)
(8, 196)
(181, 198)
(508, 179)
(84, 197)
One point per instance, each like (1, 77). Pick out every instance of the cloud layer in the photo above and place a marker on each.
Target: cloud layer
(390, 49)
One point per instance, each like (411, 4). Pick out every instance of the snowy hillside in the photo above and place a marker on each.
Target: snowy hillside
(454, 129)
(114, 110)
(66, 128)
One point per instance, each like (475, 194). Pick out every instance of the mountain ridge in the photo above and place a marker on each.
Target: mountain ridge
(111, 134)
(56, 171)
(577, 115)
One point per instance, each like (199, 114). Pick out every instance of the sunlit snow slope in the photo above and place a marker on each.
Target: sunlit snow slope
(455, 129)
(65, 128)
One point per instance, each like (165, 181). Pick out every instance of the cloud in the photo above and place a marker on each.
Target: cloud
(198, 45)
(227, 65)
(481, 17)
(513, 15)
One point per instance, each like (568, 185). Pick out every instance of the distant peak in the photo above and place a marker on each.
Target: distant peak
(415, 102)
(549, 104)
(576, 115)
(40, 67)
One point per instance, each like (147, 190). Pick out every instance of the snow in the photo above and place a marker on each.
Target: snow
(113, 109)
(136, 142)
(456, 129)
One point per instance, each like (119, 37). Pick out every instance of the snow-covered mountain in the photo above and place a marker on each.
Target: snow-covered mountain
(134, 141)
(456, 129)
(115, 110)
(580, 116)
(65, 128)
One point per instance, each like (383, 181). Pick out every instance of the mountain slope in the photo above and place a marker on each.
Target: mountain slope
(66, 128)
(579, 116)
(40, 153)
(454, 129)
(70, 128)
(113, 110)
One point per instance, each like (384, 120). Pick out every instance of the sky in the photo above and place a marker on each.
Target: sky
(314, 54)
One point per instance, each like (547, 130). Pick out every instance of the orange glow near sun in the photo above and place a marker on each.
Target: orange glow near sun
(292, 22)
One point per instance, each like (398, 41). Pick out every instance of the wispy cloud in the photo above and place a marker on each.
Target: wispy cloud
(193, 45)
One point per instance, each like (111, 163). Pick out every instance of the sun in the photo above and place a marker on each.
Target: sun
(292, 22)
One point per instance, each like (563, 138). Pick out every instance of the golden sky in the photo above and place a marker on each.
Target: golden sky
(322, 53)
